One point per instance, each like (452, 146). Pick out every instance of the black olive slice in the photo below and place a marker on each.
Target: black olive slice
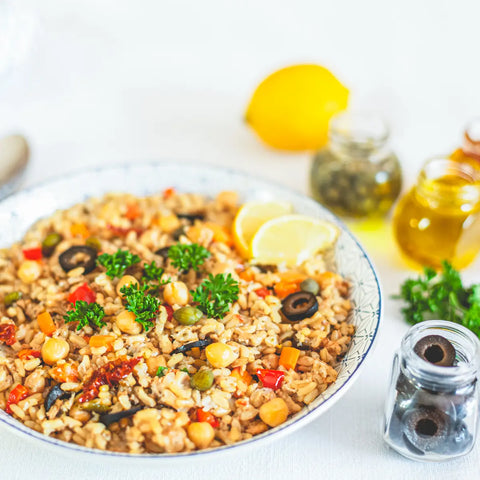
(191, 217)
(188, 346)
(108, 418)
(426, 427)
(53, 395)
(163, 252)
(299, 305)
(79, 256)
(436, 349)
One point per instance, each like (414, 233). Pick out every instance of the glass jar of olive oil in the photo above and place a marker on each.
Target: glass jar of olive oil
(439, 219)
(356, 174)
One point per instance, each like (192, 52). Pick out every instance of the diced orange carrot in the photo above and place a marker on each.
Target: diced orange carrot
(247, 275)
(289, 357)
(133, 211)
(242, 375)
(168, 192)
(289, 283)
(65, 372)
(220, 233)
(46, 323)
(80, 230)
(97, 341)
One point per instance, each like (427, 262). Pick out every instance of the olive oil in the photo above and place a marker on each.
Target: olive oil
(439, 219)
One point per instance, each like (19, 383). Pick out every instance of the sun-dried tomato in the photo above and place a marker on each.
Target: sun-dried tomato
(109, 374)
(18, 394)
(7, 333)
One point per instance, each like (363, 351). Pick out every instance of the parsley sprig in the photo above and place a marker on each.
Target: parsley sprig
(215, 294)
(117, 263)
(143, 305)
(441, 295)
(187, 256)
(86, 314)
(152, 273)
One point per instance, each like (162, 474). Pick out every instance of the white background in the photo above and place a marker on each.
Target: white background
(116, 81)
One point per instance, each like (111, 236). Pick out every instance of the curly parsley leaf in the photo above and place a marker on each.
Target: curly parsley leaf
(143, 305)
(215, 294)
(152, 273)
(86, 314)
(187, 256)
(441, 295)
(117, 263)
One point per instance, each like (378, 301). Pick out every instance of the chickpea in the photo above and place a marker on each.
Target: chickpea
(35, 382)
(79, 414)
(125, 281)
(126, 323)
(274, 412)
(220, 354)
(176, 293)
(168, 223)
(29, 271)
(201, 434)
(54, 349)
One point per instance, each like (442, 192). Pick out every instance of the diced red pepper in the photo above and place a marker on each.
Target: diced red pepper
(83, 292)
(168, 192)
(109, 374)
(271, 378)
(169, 310)
(262, 292)
(18, 394)
(7, 333)
(203, 416)
(28, 353)
(33, 253)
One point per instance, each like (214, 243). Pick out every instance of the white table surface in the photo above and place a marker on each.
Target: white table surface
(117, 81)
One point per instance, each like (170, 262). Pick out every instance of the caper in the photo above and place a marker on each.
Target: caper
(187, 315)
(49, 243)
(11, 298)
(202, 380)
(310, 285)
(95, 406)
(93, 242)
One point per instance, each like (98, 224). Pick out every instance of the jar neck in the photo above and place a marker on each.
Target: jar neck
(358, 135)
(445, 183)
(438, 378)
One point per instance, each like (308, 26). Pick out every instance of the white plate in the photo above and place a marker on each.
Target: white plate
(20, 211)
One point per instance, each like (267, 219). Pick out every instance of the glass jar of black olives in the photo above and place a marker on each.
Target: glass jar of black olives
(356, 174)
(431, 411)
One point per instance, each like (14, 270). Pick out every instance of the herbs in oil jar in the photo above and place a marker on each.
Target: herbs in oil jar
(356, 174)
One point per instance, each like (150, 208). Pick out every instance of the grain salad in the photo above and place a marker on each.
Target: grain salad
(134, 325)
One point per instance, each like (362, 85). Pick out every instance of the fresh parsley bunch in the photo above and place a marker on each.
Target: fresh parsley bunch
(117, 263)
(215, 294)
(186, 256)
(143, 305)
(85, 314)
(441, 295)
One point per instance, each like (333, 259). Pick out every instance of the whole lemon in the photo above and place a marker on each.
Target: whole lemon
(291, 108)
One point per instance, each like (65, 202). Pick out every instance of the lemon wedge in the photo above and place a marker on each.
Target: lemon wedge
(291, 239)
(250, 217)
